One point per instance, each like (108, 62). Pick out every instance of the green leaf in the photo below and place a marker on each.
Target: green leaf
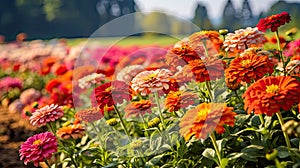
(244, 130)
(154, 161)
(233, 156)
(210, 154)
(268, 121)
(254, 121)
(252, 152)
(283, 152)
(224, 162)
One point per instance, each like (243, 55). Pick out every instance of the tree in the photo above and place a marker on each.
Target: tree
(201, 18)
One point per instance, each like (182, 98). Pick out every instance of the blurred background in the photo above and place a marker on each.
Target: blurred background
(46, 19)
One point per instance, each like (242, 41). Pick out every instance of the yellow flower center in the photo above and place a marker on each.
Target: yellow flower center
(150, 76)
(36, 142)
(245, 62)
(272, 88)
(109, 89)
(204, 112)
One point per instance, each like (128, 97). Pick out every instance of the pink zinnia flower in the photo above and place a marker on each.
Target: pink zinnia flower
(46, 114)
(38, 148)
(9, 82)
(151, 81)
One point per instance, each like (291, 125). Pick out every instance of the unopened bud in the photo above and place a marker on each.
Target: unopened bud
(154, 122)
(223, 32)
(272, 155)
(111, 122)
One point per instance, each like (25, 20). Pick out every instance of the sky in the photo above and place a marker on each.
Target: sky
(186, 8)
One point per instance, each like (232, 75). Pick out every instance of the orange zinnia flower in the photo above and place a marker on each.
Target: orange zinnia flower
(247, 68)
(71, 131)
(181, 55)
(179, 99)
(147, 82)
(270, 94)
(111, 93)
(206, 69)
(138, 107)
(202, 120)
(210, 37)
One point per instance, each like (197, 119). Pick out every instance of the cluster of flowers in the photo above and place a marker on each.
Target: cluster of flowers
(186, 76)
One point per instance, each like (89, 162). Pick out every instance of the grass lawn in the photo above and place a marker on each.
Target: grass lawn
(128, 41)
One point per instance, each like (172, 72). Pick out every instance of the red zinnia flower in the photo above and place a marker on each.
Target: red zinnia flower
(46, 114)
(202, 120)
(179, 99)
(270, 94)
(247, 68)
(138, 107)
(273, 22)
(111, 93)
(38, 148)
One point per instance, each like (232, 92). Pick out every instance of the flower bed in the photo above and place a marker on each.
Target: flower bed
(213, 99)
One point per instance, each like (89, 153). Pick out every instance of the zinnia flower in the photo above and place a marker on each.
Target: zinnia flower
(202, 120)
(129, 72)
(46, 114)
(242, 39)
(248, 67)
(147, 82)
(73, 131)
(9, 82)
(179, 99)
(89, 115)
(269, 95)
(111, 93)
(292, 49)
(205, 70)
(38, 148)
(181, 55)
(211, 38)
(89, 80)
(138, 107)
(273, 22)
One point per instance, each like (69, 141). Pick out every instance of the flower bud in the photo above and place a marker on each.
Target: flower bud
(111, 122)
(223, 32)
(154, 122)
(272, 155)
(136, 144)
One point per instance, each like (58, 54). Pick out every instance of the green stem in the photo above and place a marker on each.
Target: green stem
(208, 86)
(278, 164)
(47, 163)
(145, 125)
(98, 136)
(73, 161)
(159, 110)
(286, 137)
(122, 123)
(205, 48)
(280, 51)
(261, 118)
(238, 96)
(51, 128)
(214, 141)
